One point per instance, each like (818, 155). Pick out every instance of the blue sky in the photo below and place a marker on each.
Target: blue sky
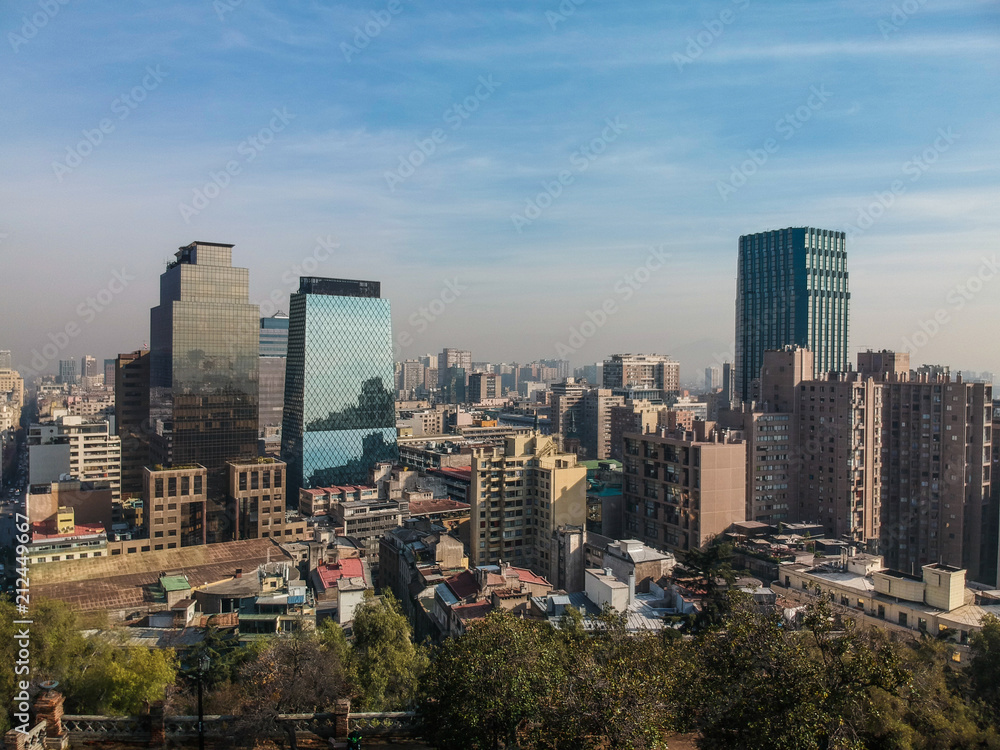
(562, 143)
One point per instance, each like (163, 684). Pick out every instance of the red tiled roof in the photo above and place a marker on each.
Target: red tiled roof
(40, 530)
(476, 611)
(463, 585)
(526, 576)
(349, 567)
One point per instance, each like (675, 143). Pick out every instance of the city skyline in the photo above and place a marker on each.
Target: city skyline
(711, 123)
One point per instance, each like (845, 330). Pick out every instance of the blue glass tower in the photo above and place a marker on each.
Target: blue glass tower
(791, 289)
(339, 417)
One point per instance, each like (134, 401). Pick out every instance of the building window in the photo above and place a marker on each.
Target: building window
(902, 619)
(197, 484)
(266, 479)
(243, 480)
(185, 485)
(158, 491)
(171, 486)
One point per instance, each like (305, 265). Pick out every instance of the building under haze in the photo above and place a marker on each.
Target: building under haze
(67, 371)
(339, 418)
(644, 372)
(791, 289)
(131, 382)
(203, 365)
(273, 351)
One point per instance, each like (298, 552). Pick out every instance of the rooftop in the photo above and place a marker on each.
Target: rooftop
(350, 567)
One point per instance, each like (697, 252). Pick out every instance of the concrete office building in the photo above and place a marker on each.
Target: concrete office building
(483, 386)
(257, 490)
(67, 371)
(449, 358)
(682, 488)
(520, 495)
(176, 502)
(791, 289)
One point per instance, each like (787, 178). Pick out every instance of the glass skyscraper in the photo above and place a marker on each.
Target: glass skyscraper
(203, 363)
(273, 350)
(339, 415)
(791, 289)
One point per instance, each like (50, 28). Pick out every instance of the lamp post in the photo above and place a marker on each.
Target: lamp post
(203, 665)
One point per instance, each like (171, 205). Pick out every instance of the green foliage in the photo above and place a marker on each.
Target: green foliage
(710, 567)
(123, 680)
(984, 666)
(385, 665)
(484, 687)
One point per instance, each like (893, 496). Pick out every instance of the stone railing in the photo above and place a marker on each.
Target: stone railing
(386, 724)
(106, 727)
(33, 739)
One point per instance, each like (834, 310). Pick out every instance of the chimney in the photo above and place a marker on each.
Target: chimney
(239, 573)
(631, 587)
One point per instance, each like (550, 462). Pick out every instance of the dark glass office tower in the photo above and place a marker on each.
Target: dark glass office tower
(273, 350)
(791, 289)
(339, 415)
(203, 362)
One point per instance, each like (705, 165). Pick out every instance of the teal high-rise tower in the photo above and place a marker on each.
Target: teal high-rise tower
(791, 290)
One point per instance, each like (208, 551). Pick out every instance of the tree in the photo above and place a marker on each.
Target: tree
(289, 674)
(385, 665)
(123, 679)
(707, 566)
(484, 687)
(984, 666)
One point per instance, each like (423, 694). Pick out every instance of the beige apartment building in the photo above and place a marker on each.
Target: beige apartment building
(682, 488)
(521, 494)
(80, 446)
(258, 500)
(642, 372)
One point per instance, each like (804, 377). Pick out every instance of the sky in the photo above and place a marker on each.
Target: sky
(526, 179)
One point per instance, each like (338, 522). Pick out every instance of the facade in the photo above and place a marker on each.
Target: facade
(176, 503)
(88, 366)
(453, 358)
(483, 386)
(273, 354)
(683, 488)
(93, 453)
(520, 495)
(791, 289)
(339, 418)
(67, 371)
(203, 361)
(596, 436)
(6, 361)
(655, 372)
(132, 417)
(567, 410)
(410, 378)
(257, 493)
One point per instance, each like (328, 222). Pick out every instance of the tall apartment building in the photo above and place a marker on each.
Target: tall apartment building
(12, 384)
(6, 361)
(109, 372)
(340, 417)
(483, 386)
(203, 363)
(632, 416)
(567, 410)
(88, 366)
(176, 502)
(521, 494)
(449, 358)
(791, 289)
(713, 378)
(273, 354)
(682, 488)
(131, 379)
(643, 372)
(596, 411)
(936, 457)
(411, 378)
(86, 446)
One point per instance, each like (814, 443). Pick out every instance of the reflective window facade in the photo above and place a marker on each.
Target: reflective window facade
(339, 415)
(791, 289)
(273, 348)
(204, 341)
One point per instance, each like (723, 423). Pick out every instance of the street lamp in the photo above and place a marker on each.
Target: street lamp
(203, 665)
